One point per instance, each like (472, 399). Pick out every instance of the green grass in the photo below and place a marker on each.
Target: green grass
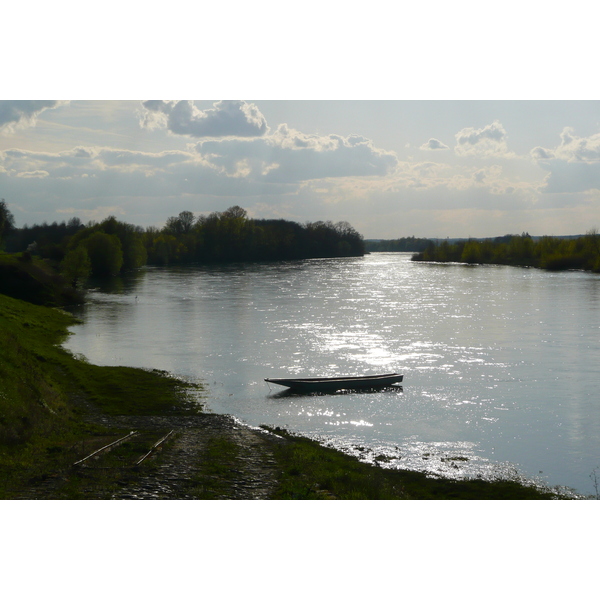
(44, 392)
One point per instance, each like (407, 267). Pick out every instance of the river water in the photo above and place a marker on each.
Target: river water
(500, 363)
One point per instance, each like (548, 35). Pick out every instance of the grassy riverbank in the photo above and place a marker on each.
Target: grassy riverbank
(56, 408)
(46, 394)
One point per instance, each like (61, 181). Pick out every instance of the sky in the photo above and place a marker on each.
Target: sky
(432, 121)
(391, 168)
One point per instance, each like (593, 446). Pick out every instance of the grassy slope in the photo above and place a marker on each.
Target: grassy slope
(39, 383)
(33, 280)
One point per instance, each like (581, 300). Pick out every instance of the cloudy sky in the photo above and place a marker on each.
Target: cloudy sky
(444, 166)
(390, 168)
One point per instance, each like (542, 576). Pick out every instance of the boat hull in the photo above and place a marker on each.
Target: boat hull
(334, 384)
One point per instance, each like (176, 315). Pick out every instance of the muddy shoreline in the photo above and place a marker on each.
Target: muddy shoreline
(181, 468)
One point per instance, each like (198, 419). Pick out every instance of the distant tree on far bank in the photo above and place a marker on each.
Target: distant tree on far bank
(405, 244)
(551, 253)
(231, 236)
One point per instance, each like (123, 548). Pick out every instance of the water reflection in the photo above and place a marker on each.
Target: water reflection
(297, 394)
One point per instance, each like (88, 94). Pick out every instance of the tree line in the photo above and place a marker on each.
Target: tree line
(111, 246)
(405, 244)
(232, 236)
(547, 252)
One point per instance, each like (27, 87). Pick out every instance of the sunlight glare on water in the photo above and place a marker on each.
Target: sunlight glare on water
(499, 363)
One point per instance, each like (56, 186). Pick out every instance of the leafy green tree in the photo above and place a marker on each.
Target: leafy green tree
(105, 253)
(165, 249)
(132, 242)
(471, 252)
(593, 243)
(134, 254)
(76, 265)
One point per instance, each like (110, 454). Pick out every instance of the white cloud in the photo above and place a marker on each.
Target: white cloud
(274, 166)
(289, 156)
(434, 144)
(487, 141)
(572, 148)
(16, 114)
(573, 166)
(228, 118)
(33, 174)
(79, 161)
(144, 187)
(539, 153)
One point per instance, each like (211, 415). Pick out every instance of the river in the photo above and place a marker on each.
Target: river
(500, 363)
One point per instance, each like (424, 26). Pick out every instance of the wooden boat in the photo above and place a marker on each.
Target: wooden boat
(333, 384)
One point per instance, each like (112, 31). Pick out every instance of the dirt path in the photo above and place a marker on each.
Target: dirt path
(211, 457)
(208, 456)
